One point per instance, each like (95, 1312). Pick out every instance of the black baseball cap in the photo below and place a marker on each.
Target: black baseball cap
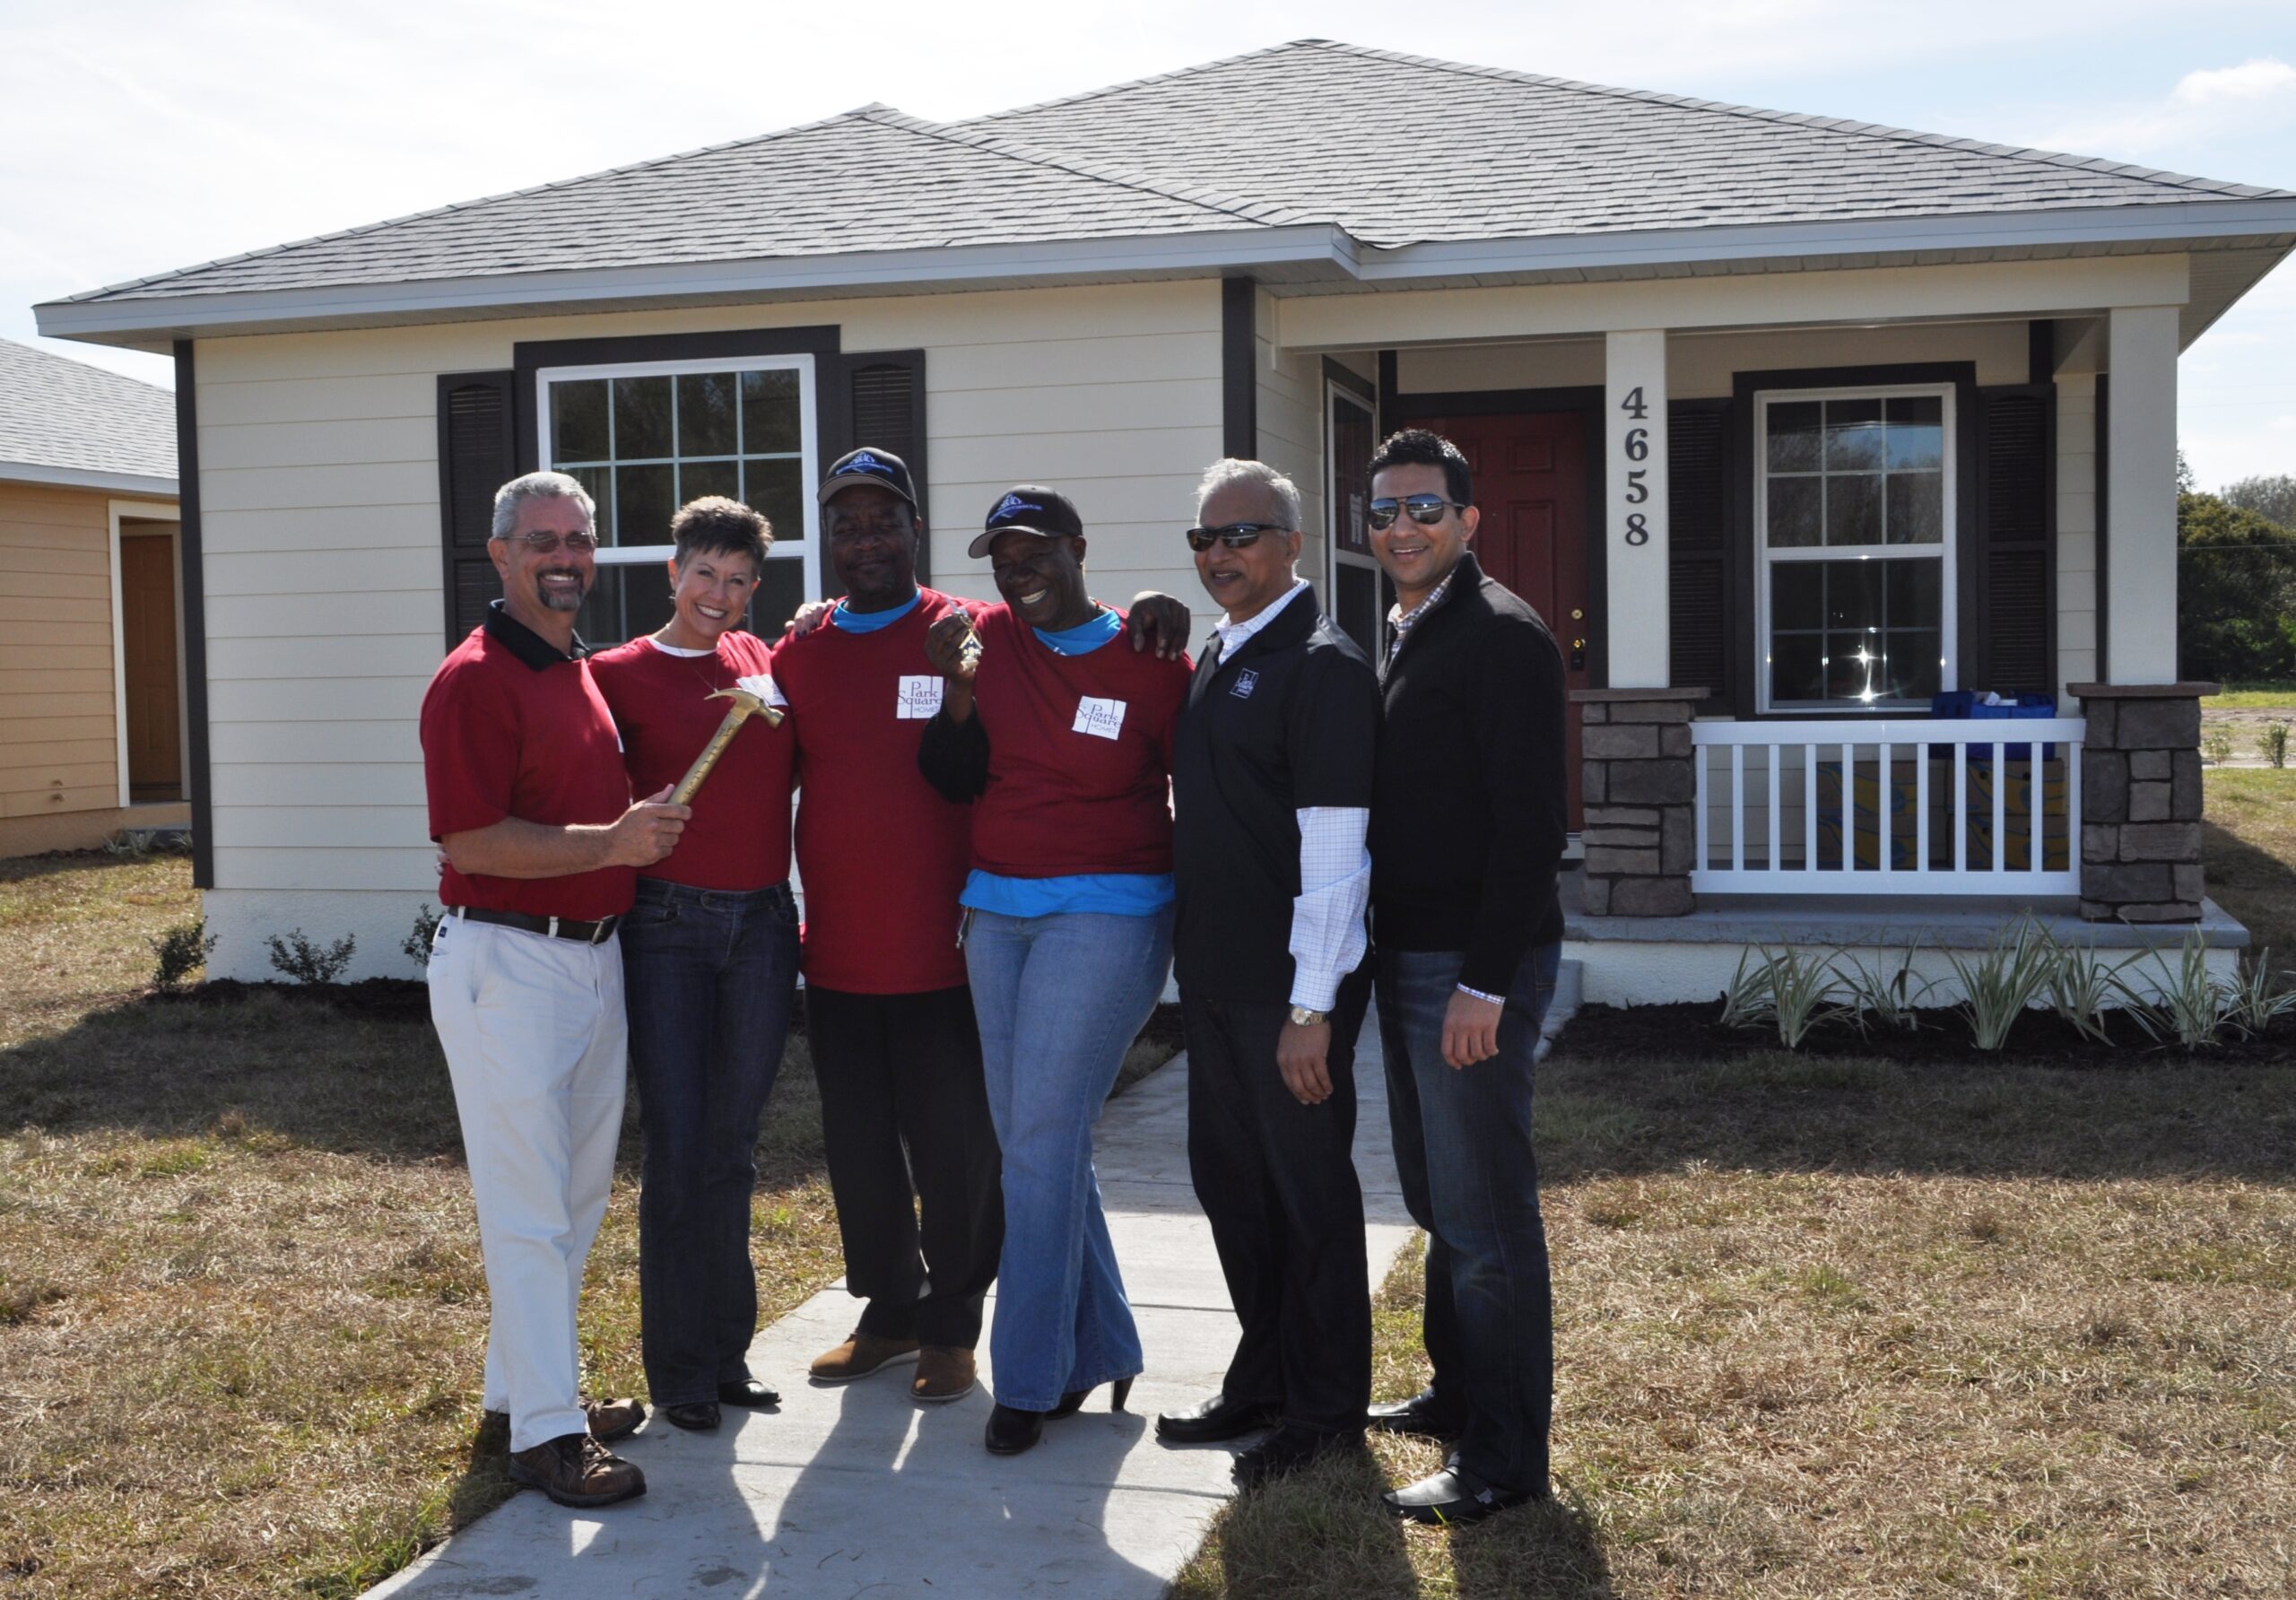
(868, 465)
(1028, 508)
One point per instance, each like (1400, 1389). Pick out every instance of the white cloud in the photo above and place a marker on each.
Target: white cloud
(2213, 105)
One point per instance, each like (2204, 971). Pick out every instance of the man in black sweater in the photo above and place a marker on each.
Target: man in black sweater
(1468, 818)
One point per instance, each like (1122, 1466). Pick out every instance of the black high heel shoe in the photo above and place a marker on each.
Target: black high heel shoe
(1012, 1429)
(1074, 1401)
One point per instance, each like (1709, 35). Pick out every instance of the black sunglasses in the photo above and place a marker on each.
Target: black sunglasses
(1426, 509)
(1235, 535)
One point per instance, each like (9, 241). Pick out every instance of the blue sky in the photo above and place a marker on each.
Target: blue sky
(139, 136)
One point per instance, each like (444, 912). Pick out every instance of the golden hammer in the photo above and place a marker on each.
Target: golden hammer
(746, 705)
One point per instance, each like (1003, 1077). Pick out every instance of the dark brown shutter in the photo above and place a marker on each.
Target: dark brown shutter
(2012, 547)
(477, 454)
(1698, 524)
(877, 397)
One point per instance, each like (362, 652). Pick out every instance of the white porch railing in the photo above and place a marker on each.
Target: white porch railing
(1917, 806)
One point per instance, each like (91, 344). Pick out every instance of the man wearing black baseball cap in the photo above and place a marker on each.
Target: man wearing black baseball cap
(912, 1156)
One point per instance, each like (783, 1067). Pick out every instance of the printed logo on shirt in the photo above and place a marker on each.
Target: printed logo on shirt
(1101, 718)
(1246, 681)
(917, 699)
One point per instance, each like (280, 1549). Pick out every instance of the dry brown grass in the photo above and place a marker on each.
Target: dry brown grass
(241, 1308)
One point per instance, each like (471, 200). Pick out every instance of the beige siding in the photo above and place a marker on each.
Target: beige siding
(318, 461)
(2077, 532)
(59, 745)
(1290, 404)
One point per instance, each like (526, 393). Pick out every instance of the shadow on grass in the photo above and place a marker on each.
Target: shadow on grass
(2158, 1114)
(1544, 1551)
(2256, 886)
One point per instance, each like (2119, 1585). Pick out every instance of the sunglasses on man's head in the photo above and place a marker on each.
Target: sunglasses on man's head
(1235, 535)
(545, 544)
(1426, 509)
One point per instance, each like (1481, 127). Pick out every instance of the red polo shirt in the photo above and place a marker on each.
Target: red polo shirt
(738, 836)
(511, 728)
(882, 856)
(1080, 754)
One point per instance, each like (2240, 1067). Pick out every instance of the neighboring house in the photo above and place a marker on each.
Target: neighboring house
(92, 719)
(1786, 423)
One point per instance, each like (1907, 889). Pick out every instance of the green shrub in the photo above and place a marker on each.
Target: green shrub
(309, 963)
(182, 950)
(2216, 747)
(2273, 744)
(417, 943)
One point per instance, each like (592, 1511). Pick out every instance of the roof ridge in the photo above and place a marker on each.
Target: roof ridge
(1182, 71)
(862, 112)
(1264, 211)
(1803, 119)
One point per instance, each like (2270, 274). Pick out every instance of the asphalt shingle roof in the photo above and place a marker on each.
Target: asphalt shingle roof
(1393, 149)
(1401, 149)
(68, 416)
(871, 179)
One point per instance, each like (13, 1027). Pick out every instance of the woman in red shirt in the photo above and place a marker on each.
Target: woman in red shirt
(709, 954)
(1062, 737)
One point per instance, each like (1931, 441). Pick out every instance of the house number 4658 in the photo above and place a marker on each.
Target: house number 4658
(1638, 448)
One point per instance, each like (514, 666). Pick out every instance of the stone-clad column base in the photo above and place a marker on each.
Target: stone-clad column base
(1639, 784)
(2140, 802)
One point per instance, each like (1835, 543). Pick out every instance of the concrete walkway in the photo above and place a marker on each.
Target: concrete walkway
(859, 1492)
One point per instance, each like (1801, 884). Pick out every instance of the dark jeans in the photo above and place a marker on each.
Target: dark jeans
(1463, 1151)
(1277, 1181)
(709, 975)
(902, 1100)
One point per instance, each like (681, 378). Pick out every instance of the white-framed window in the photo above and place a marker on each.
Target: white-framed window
(1352, 586)
(647, 437)
(1854, 547)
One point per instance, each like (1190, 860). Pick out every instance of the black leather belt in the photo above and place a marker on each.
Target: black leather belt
(556, 928)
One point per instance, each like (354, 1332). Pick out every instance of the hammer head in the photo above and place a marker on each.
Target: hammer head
(750, 705)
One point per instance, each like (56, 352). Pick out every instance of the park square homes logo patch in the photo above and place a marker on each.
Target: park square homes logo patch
(1246, 681)
(1012, 506)
(866, 462)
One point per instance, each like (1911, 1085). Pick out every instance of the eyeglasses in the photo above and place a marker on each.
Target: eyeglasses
(1236, 535)
(545, 544)
(1426, 509)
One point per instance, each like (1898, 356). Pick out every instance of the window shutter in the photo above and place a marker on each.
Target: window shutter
(477, 454)
(2013, 549)
(1698, 523)
(877, 397)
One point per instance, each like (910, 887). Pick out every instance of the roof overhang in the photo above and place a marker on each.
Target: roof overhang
(73, 477)
(1299, 258)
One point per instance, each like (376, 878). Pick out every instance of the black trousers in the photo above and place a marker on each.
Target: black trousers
(905, 1124)
(1277, 1182)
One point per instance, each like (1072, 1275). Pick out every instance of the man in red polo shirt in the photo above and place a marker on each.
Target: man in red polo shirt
(530, 802)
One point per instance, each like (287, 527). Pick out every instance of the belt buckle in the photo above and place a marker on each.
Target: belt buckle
(552, 929)
(601, 930)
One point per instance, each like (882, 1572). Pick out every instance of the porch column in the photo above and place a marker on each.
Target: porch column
(2141, 497)
(1640, 784)
(2140, 802)
(1634, 492)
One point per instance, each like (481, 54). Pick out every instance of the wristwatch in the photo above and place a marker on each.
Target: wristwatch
(1301, 1017)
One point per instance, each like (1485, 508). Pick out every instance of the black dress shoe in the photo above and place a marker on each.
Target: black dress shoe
(1216, 1419)
(1012, 1429)
(1419, 1416)
(695, 1416)
(746, 1391)
(1287, 1450)
(1452, 1496)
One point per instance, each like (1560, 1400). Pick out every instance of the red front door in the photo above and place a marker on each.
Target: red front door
(1530, 480)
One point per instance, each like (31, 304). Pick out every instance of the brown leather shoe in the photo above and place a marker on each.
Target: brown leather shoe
(576, 1470)
(859, 1356)
(943, 1373)
(609, 1420)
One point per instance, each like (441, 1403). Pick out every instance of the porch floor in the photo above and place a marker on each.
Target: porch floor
(1933, 922)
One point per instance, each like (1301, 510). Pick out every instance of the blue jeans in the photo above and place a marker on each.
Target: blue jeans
(1060, 998)
(1463, 1151)
(708, 974)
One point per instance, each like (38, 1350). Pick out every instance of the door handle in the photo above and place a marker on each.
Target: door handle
(1577, 655)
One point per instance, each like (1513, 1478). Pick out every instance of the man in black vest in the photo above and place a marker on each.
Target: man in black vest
(1271, 786)
(1468, 817)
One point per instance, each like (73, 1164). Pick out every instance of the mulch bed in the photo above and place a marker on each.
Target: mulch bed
(2039, 1038)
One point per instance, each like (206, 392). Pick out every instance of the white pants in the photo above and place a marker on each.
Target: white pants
(538, 1048)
